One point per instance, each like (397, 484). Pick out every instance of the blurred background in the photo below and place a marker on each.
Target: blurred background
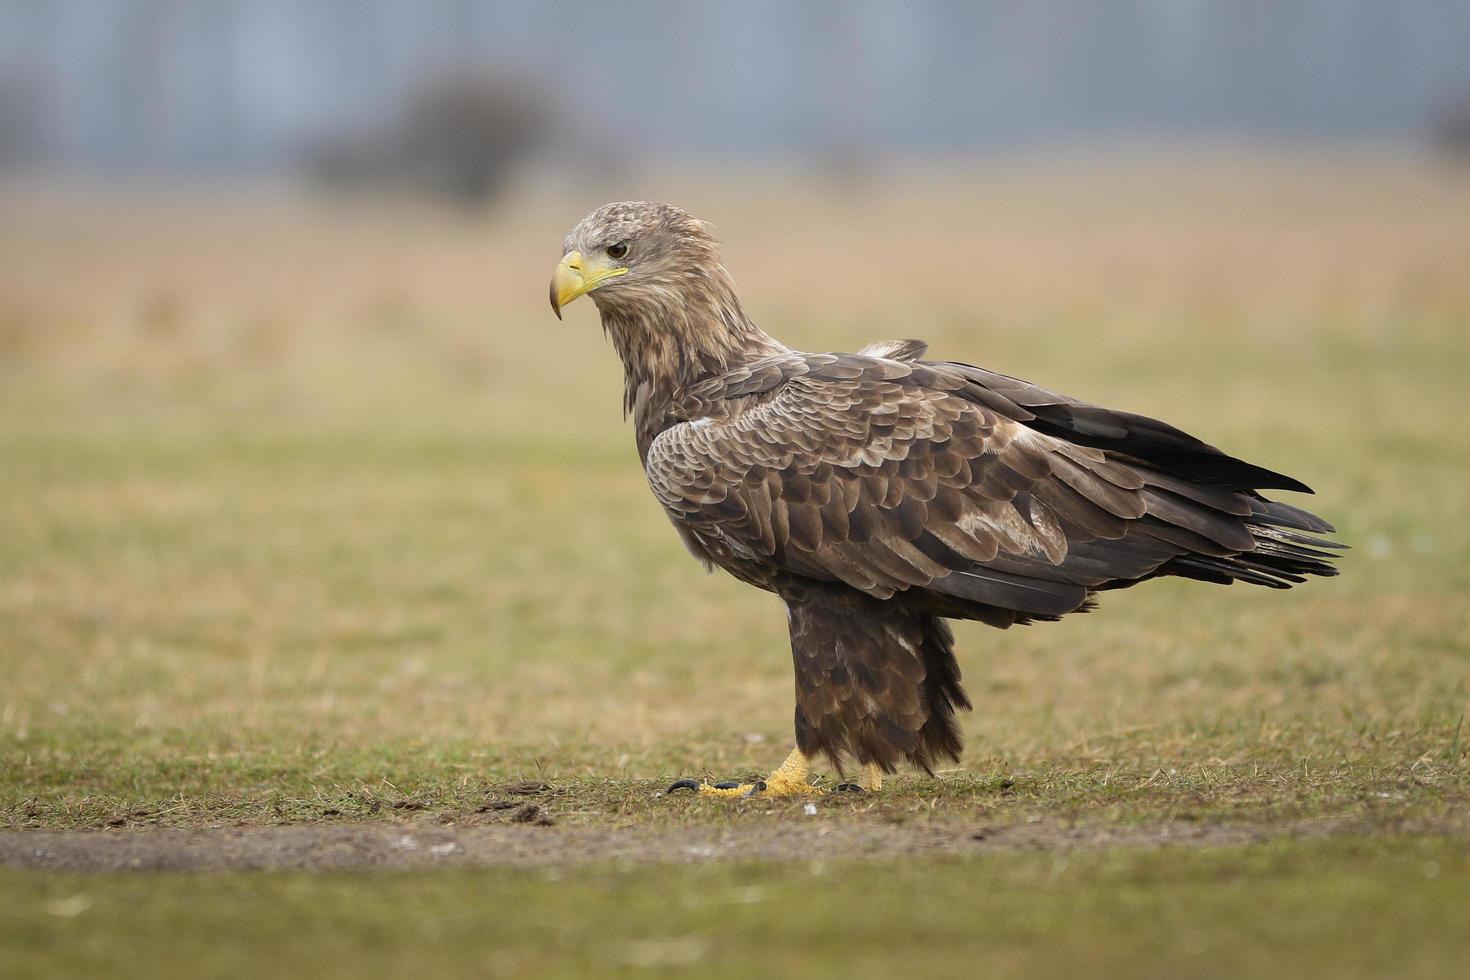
(458, 94)
(290, 443)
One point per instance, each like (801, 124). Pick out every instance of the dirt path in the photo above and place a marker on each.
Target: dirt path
(406, 845)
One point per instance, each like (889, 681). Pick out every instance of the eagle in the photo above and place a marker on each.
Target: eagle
(880, 494)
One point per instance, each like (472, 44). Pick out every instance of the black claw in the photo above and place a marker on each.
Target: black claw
(849, 788)
(759, 786)
(728, 784)
(683, 784)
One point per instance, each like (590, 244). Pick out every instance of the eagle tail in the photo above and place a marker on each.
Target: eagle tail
(1287, 551)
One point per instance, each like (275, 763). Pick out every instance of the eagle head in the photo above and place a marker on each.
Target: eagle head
(634, 253)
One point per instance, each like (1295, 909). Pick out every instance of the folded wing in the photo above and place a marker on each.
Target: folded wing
(965, 492)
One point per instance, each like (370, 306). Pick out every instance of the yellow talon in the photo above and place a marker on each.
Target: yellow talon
(789, 779)
(728, 792)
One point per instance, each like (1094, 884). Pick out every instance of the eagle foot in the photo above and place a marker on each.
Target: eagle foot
(761, 788)
(789, 779)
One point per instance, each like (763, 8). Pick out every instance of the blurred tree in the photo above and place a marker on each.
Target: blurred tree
(21, 127)
(457, 136)
(1450, 128)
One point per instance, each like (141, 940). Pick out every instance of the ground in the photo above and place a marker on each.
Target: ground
(1339, 908)
(324, 550)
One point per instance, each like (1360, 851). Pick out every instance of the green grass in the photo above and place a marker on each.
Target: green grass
(1341, 908)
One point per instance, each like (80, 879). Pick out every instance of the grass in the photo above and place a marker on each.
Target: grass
(312, 513)
(1339, 908)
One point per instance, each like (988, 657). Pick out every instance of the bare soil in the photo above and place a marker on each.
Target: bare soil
(407, 845)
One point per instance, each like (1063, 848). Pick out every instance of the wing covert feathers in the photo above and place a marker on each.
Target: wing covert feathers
(966, 493)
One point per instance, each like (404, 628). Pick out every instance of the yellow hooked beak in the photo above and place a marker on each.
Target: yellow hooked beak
(575, 277)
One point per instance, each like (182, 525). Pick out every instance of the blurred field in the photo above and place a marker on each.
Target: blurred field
(1332, 909)
(311, 511)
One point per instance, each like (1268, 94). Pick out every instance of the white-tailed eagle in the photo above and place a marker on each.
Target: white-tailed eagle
(879, 494)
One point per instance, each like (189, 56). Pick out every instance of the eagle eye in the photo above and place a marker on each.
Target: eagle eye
(617, 250)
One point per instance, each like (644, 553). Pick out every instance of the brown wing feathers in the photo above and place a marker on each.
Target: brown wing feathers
(976, 493)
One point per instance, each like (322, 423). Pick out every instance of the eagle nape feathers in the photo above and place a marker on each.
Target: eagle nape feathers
(880, 493)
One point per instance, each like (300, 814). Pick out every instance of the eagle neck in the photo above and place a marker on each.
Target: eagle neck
(670, 341)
